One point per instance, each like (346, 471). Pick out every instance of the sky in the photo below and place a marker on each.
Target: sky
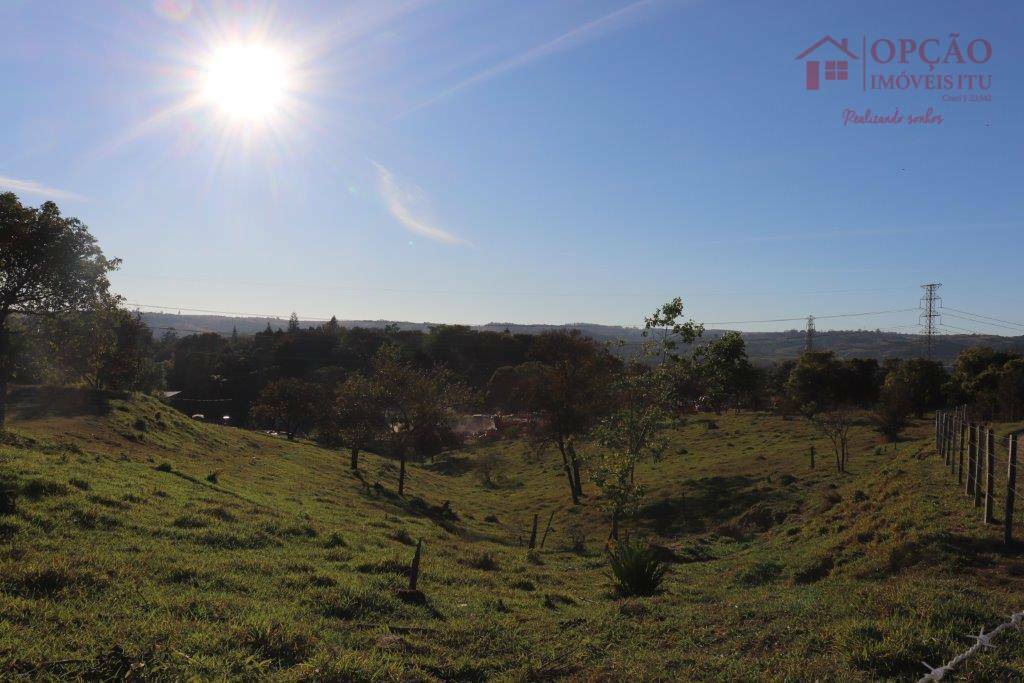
(531, 161)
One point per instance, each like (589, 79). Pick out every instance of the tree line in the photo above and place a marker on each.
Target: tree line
(599, 407)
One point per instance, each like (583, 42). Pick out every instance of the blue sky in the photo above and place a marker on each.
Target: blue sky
(527, 161)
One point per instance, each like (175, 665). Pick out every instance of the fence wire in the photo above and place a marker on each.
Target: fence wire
(982, 641)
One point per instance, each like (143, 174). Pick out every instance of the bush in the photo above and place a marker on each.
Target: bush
(637, 568)
(484, 561)
(164, 467)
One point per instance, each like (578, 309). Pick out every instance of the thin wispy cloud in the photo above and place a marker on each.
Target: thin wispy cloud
(405, 204)
(569, 40)
(30, 187)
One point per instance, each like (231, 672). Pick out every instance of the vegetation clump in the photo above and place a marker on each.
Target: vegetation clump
(637, 568)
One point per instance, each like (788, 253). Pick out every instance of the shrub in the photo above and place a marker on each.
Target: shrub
(164, 467)
(284, 644)
(484, 561)
(336, 540)
(212, 477)
(40, 488)
(577, 539)
(759, 573)
(637, 568)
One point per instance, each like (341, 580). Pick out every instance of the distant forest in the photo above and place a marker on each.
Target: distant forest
(763, 348)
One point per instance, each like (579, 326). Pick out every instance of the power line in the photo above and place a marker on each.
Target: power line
(979, 315)
(819, 317)
(983, 322)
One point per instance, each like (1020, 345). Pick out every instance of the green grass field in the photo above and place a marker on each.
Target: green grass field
(149, 545)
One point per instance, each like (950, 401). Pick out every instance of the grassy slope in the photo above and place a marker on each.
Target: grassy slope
(287, 565)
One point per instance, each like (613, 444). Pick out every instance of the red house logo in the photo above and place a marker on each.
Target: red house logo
(835, 69)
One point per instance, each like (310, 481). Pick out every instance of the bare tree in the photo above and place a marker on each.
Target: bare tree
(836, 425)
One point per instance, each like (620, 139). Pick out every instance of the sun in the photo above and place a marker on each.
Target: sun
(246, 82)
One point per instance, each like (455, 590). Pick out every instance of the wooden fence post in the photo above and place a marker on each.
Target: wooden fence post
(1011, 483)
(979, 456)
(960, 455)
(990, 464)
(949, 440)
(971, 446)
(533, 534)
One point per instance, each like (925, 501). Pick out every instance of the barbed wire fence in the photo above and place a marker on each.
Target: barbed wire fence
(982, 641)
(974, 455)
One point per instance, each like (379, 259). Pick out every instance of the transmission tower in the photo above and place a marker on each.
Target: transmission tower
(809, 343)
(930, 316)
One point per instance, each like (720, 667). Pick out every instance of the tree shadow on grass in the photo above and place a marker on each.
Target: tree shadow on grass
(36, 403)
(707, 501)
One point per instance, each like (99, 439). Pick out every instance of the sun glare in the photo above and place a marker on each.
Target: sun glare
(246, 82)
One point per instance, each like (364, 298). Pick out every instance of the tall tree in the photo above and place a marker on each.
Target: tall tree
(49, 264)
(357, 416)
(416, 404)
(106, 348)
(288, 404)
(567, 390)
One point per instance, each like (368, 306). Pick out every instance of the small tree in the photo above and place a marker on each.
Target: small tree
(893, 409)
(490, 466)
(357, 415)
(49, 265)
(106, 348)
(415, 404)
(836, 425)
(567, 389)
(290, 404)
(633, 431)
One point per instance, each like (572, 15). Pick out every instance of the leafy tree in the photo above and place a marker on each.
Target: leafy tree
(293, 323)
(106, 348)
(631, 432)
(49, 264)
(289, 404)
(416, 404)
(894, 407)
(815, 380)
(357, 416)
(861, 381)
(925, 380)
(669, 330)
(1011, 388)
(722, 370)
(568, 391)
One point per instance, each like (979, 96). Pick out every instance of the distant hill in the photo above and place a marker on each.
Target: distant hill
(762, 347)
